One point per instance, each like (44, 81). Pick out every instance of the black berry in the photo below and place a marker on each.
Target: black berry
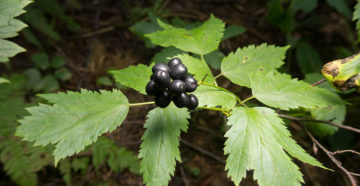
(176, 87)
(179, 71)
(173, 62)
(193, 102)
(190, 84)
(151, 88)
(161, 66)
(181, 100)
(162, 99)
(162, 79)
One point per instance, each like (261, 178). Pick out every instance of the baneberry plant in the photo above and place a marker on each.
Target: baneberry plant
(257, 138)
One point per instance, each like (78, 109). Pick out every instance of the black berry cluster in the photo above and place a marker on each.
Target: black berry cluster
(171, 82)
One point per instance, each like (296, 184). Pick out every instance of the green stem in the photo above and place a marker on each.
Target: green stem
(225, 90)
(141, 104)
(219, 75)
(216, 109)
(247, 99)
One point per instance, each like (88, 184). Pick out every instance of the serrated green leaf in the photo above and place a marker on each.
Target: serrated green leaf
(135, 77)
(232, 31)
(237, 66)
(166, 53)
(160, 147)
(198, 68)
(74, 121)
(9, 49)
(257, 140)
(201, 40)
(9, 26)
(21, 161)
(280, 91)
(212, 97)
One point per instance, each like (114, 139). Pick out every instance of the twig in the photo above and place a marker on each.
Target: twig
(186, 181)
(321, 121)
(344, 151)
(319, 82)
(333, 159)
(205, 152)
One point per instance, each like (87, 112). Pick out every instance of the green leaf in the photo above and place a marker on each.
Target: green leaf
(104, 80)
(334, 113)
(356, 17)
(142, 28)
(74, 121)
(21, 161)
(36, 18)
(257, 140)
(341, 6)
(65, 169)
(49, 83)
(117, 158)
(41, 60)
(237, 66)
(198, 68)
(57, 62)
(9, 49)
(308, 58)
(166, 53)
(63, 74)
(9, 26)
(212, 97)
(160, 147)
(31, 38)
(3, 80)
(135, 77)
(280, 91)
(201, 40)
(214, 58)
(55, 9)
(232, 31)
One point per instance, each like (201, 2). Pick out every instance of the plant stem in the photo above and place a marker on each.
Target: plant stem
(247, 99)
(141, 104)
(216, 109)
(225, 90)
(217, 76)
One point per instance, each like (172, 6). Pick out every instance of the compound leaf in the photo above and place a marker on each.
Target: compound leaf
(74, 121)
(160, 147)
(9, 26)
(280, 91)
(135, 77)
(212, 97)
(200, 40)
(257, 140)
(237, 66)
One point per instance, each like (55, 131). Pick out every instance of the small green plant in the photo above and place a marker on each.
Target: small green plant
(47, 73)
(257, 138)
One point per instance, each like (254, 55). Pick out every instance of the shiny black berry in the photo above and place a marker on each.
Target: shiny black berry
(151, 88)
(173, 62)
(179, 71)
(190, 84)
(162, 79)
(161, 66)
(162, 99)
(176, 87)
(181, 100)
(193, 102)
